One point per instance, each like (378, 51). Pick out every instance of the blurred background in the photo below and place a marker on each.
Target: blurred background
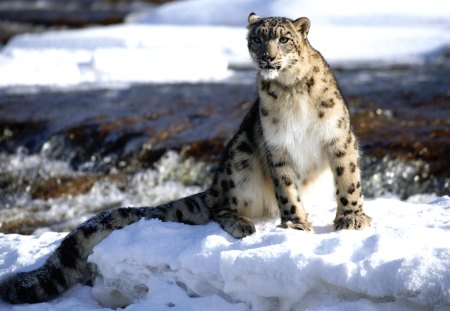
(115, 103)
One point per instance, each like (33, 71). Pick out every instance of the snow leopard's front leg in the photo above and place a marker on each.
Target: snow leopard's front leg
(344, 161)
(286, 186)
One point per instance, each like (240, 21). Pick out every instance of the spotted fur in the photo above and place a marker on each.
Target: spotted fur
(298, 127)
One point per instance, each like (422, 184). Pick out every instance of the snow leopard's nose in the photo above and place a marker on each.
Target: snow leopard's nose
(267, 57)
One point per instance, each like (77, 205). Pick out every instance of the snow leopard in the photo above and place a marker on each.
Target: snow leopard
(298, 127)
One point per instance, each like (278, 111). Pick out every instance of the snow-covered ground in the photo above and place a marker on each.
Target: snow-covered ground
(199, 40)
(401, 263)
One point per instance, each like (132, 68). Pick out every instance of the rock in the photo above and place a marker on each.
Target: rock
(56, 187)
(419, 133)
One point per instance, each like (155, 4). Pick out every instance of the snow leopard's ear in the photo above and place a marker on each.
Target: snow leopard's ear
(302, 24)
(253, 18)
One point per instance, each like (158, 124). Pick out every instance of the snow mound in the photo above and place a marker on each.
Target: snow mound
(401, 263)
(118, 54)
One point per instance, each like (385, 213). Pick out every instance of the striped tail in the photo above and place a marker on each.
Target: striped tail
(68, 264)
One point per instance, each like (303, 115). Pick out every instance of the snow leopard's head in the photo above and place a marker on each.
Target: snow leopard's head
(277, 44)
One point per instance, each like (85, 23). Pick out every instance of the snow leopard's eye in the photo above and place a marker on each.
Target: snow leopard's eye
(255, 39)
(284, 40)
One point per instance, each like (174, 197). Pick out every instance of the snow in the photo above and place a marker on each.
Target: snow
(202, 40)
(402, 262)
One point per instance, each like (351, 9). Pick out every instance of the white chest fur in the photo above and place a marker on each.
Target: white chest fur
(292, 125)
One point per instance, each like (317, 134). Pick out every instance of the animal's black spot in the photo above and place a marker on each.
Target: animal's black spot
(321, 114)
(229, 169)
(287, 181)
(214, 192)
(351, 189)
(245, 147)
(352, 167)
(190, 205)
(354, 203)
(123, 212)
(226, 201)
(275, 120)
(265, 86)
(280, 164)
(358, 185)
(231, 184)
(224, 185)
(276, 182)
(57, 275)
(88, 230)
(339, 154)
(339, 170)
(316, 69)
(327, 104)
(344, 201)
(107, 225)
(68, 255)
(293, 209)
(298, 199)
(309, 84)
(283, 200)
(332, 142)
(244, 164)
(234, 200)
(349, 138)
(264, 112)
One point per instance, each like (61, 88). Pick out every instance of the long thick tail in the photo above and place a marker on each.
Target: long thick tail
(68, 264)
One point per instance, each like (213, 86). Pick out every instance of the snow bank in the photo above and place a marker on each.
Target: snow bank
(401, 263)
(168, 45)
(119, 54)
